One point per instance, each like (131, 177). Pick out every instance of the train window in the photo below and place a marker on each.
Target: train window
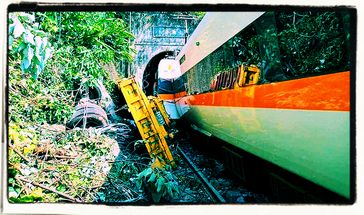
(284, 45)
(313, 42)
(179, 85)
(267, 41)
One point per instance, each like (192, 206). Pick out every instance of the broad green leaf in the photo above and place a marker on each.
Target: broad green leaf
(35, 71)
(169, 188)
(152, 177)
(21, 47)
(38, 57)
(28, 37)
(160, 183)
(19, 28)
(11, 40)
(28, 17)
(25, 63)
(61, 188)
(38, 44)
(11, 28)
(28, 55)
(13, 199)
(23, 199)
(44, 42)
(41, 66)
(47, 55)
(28, 52)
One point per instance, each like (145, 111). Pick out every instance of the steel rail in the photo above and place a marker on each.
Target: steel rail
(210, 189)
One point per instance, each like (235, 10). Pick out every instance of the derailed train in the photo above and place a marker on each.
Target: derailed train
(248, 78)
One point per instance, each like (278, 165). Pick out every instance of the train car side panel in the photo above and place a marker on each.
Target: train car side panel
(299, 125)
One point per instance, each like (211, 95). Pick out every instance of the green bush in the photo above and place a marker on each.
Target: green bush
(85, 42)
(28, 41)
(46, 61)
(160, 182)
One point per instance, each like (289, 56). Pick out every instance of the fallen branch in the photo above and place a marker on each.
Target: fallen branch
(110, 182)
(132, 200)
(126, 189)
(23, 187)
(96, 186)
(49, 189)
(63, 157)
(88, 192)
(19, 153)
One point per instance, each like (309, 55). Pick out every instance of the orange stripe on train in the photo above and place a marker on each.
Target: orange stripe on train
(166, 96)
(325, 92)
(180, 94)
(172, 96)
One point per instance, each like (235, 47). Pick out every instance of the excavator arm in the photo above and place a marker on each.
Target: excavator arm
(150, 117)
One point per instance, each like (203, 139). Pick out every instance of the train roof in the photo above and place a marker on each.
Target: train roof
(214, 30)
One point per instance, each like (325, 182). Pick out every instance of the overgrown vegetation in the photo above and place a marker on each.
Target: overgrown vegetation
(297, 43)
(52, 57)
(284, 45)
(160, 182)
(50, 164)
(85, 42)
(34, 96)
(27, 40)
(313, 42)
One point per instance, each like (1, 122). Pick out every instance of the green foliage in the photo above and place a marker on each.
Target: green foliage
(313, 42)
(48, 152)
(85, 42)
(298, 43)
(160, 181)
(44, 97)
(25, 198)
(71, 162)
(40, 101)
(28, 41)
(246, 48)
(199, 14)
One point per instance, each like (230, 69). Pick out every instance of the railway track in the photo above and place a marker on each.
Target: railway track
(212, 192)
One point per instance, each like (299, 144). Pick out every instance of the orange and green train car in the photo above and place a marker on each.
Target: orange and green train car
(274, 84)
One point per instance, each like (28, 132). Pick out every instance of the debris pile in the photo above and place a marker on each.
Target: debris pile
(65, 166)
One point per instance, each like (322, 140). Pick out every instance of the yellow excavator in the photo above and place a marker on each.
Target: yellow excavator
(151, 119)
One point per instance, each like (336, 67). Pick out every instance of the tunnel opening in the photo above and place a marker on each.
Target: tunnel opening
(150, 75)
